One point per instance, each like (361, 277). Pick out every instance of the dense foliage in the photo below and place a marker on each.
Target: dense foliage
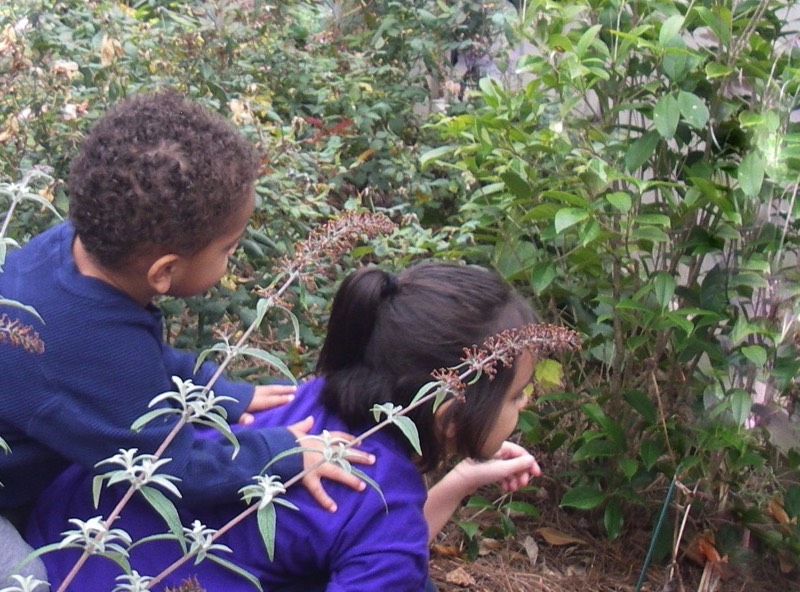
(636, 175)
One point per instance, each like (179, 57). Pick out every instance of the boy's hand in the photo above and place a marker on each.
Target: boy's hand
(266, 397)
(313, 480)
(512, 467)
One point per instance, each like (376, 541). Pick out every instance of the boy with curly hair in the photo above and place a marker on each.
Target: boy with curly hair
(160, 193)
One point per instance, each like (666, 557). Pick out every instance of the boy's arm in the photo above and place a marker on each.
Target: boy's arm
(512, 467)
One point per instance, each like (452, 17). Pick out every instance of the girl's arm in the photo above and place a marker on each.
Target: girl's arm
(512, 467)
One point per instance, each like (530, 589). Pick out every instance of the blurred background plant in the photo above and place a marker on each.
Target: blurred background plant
(631, 167)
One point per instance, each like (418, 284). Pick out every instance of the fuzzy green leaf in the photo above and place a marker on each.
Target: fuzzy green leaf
(166, 509)
(266, 519)
(409, 430)
(237, 570)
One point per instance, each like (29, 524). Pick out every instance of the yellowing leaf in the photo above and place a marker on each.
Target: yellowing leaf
(110, 50)
(549, 373)
(557, 538)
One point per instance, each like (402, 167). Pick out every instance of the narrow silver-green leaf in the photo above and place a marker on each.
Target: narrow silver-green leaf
(167, 510)
(266, 519)
(269, 359)
(409, 430)
(229, 565)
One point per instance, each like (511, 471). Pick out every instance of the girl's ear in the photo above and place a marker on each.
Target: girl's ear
(445, 427)
(160, 273)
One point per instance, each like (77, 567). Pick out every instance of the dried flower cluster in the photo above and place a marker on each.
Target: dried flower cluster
(20, 335)
(450, 382)
(541, 339)
(335, 238)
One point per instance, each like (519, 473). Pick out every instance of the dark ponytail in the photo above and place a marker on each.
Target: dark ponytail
(353, 318)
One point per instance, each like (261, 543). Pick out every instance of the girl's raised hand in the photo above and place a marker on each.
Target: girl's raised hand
(512, 467)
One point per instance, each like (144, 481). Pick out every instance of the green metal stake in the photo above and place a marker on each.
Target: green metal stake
(656, 530)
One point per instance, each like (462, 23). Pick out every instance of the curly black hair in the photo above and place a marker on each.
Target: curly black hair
(158, 172)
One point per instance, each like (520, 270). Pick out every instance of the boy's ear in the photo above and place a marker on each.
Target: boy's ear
(160, 272)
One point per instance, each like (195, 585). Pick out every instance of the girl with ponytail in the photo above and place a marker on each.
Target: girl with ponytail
(386, 334)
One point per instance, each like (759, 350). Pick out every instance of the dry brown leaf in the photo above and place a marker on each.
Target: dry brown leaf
(705, 544)
(487, 546)
(532, 549)
(775, 508)
(557, 538)
(460, 577)
(447, 551)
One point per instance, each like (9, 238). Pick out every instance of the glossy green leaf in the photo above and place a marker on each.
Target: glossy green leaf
(582, 498)
(641, 150)
(756, 354)
(566, 217)
(549, 373)
(620, 200)
(642, 404)
(740, 403)
(693, 109)
(670, 29)
(612, 519)
(751, 173)
(517, 185)
(666, 115)
(664, 287)
(542, 275)
(649, 452)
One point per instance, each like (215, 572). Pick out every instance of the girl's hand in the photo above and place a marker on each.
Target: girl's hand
(266, 397)
(315, 447)
(512, 467)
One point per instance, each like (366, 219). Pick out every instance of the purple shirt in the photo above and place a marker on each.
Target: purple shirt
(364, 546)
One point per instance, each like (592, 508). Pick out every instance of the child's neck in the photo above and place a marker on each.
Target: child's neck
(126, 281)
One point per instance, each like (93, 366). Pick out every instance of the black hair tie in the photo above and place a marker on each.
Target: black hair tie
(390, 285)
